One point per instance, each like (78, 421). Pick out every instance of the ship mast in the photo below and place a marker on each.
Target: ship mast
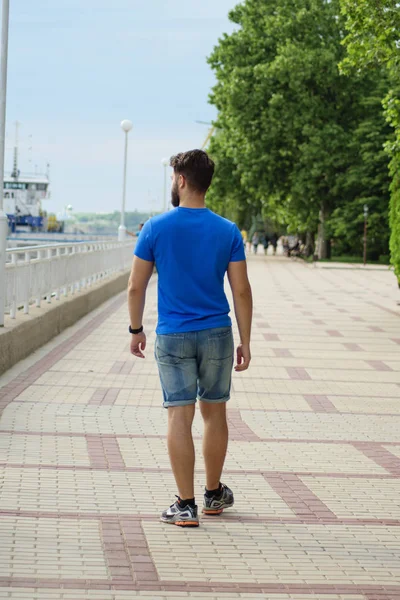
(15, 172)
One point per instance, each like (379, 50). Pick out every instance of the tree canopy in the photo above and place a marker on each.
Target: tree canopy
(297, 141)
(373, 43)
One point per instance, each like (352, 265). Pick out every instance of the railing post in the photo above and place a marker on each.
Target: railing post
(72, 282)
(27, 259)
(13, 307)
(57, 258)
(94, 276)
(89, 249)
(78, 283)
(49, 257)
(84, 278)
(65, 289)
(38, 297)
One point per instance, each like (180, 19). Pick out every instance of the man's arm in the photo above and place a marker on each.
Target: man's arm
(243, 301)
(138, 281)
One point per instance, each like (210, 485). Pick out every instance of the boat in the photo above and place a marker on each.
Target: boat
(23, 196)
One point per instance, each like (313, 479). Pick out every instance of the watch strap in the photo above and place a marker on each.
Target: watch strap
(135, 331)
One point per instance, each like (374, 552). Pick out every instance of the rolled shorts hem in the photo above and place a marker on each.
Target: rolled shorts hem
(215, 400)
(179, 403)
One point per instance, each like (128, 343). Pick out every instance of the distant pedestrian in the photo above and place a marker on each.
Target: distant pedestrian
(255, 241)
(194, 346)
(137, 233)
(285, 244)
(274, 242)
(265, 243)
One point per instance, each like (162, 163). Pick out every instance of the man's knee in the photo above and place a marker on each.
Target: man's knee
(213, 411)
(181, 414)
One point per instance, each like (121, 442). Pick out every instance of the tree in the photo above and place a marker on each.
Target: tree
(367, 182)
(373, 42)
(287, 118)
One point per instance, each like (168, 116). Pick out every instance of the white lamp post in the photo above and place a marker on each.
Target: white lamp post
(126, 127)
(165, 163)
(3, 94)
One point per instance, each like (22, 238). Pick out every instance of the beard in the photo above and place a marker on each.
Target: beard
(175, 200)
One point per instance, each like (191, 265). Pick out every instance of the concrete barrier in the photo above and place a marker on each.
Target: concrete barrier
(25, 334)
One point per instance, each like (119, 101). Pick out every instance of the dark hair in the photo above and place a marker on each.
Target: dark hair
(196, 166)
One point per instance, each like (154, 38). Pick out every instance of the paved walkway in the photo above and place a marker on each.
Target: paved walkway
(314, 456)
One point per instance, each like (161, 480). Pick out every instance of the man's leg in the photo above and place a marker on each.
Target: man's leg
(215, 441)
(181, 448)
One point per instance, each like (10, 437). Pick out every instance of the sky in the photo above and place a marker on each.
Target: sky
(77, 68)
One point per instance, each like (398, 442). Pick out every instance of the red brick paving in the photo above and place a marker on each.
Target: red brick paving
(129, 560)
(104, 452)
(104, 396)
(299, 497)
(383, 457)
(297, 373)
(320, 404)
(378, 365)
(282, 353)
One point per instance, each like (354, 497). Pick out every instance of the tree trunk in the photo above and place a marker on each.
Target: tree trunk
(309, 243)
(323, 242)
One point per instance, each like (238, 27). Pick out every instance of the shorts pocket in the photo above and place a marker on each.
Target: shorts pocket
(169, 348)
(220, 345)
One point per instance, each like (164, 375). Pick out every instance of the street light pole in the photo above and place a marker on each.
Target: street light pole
(365, 232)
(5, 15)
(126, 127)
(165, 163)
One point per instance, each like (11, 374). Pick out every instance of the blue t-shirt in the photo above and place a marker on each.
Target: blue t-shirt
(192, 248)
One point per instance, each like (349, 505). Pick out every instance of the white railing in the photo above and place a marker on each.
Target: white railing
(46, 272)
(39, 238)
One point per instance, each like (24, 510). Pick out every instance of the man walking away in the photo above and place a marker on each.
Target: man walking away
(193, 248)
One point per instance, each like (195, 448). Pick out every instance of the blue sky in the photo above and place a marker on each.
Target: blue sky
(78, 67)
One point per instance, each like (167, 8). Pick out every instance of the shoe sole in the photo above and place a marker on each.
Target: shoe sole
(210, 511)
(182, 523)
(186, 523)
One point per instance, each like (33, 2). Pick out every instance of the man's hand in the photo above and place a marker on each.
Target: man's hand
(138, 344)
(243, 356)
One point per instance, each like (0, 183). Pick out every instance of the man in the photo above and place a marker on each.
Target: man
(193, 248)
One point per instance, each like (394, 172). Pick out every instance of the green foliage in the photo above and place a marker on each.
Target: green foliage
(372, 33)
(291, 129)
(373, 42)
(392, 110)
(367, 182)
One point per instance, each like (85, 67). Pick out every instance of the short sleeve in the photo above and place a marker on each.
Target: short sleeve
(144, 244)
(237, 253)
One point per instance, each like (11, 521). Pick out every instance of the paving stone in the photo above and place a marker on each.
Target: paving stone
(313, 457)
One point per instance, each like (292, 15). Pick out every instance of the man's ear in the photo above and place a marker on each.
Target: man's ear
(182, 181)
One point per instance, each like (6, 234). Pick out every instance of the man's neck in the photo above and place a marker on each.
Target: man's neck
(193, 201)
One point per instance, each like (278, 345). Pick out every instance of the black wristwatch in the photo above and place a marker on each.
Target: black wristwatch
(135, 331)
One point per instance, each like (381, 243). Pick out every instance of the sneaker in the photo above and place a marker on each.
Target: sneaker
(184, 517)
(216, 504)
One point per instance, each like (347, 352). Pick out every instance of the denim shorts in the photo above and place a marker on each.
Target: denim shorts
(195, 366)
